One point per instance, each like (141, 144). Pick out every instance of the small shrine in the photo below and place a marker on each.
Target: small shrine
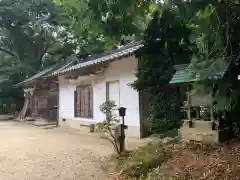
(200, 123)
(199, 120)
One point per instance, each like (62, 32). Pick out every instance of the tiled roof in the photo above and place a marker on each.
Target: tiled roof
(36, 76)
(71, 60)
(50, 71)
(93, 60)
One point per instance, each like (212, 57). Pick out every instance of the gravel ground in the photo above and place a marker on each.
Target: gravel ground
(32, 153)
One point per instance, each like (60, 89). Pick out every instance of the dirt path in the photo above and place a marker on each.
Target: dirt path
(32, 153)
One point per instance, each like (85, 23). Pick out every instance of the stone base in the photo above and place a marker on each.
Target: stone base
(132, 131)
(201, 131)
(39, 122)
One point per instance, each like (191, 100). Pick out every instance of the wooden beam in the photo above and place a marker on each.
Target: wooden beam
(189, 106)
(212, 115)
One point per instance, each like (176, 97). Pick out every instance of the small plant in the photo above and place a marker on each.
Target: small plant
(110, 122)
(170, 133)
(138, 163)
(164, 112)
(143, 160)
(92, 127)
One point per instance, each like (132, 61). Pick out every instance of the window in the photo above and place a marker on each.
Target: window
(84, 101)
(113, 92)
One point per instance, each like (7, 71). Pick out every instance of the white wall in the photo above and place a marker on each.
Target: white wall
(66, 99)
(122, 70)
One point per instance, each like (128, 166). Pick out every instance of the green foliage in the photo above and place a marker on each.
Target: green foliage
(214, 45)
(139, 162)
(165, 38)
(173, 133)
(30, 36)
(108, 108)
(162, 43)
(165, 112)
(214, 25)
(110, 122)
(104, 24)
(31, 40)
(10, 97)
(200, 32)
(76, 18)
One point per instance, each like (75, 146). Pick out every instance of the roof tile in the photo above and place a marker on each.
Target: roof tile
(127, 50)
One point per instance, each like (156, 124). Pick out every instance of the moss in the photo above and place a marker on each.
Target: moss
(139, 162)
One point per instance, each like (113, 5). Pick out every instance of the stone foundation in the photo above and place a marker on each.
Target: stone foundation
(201, 131)
(132, 131)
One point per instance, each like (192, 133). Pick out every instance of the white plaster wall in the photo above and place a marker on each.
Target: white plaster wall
(122, 70)
(66, 99)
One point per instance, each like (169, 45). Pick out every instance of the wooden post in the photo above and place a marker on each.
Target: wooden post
(212, 119)
(212, 116)
(197, 112)
(189, 110)
(189, 107)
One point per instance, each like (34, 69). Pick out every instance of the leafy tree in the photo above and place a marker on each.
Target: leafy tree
(215, 44)
(99, 25)
(104, 24)
(201, 32)
(165, 38)
(29, 34)
(215, 41)
(109, 125)
(30, 40)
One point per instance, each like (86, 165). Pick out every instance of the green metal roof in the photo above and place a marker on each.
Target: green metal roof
(184, 73)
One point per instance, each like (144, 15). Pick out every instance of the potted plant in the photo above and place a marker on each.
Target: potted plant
(92, 128)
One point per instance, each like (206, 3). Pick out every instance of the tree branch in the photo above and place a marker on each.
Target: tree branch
(8, 52)
(114, 145)
(44, 51)
(114, 141)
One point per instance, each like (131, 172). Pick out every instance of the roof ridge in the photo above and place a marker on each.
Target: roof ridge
(109, 55)
(48, 71)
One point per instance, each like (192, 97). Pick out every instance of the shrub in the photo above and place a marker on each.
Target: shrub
(165, 112)
(111, 120)
(171, 133)
(141, 161)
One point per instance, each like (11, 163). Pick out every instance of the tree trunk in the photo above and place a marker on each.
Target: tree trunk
(23, 112)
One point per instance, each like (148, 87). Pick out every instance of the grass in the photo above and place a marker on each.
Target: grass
(170, 133)
(188, 161)
(140, 162)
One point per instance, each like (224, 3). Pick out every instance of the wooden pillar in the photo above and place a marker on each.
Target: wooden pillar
(198, 112)
(189, 106)
(214, 125)
(189, 110)
(144, 104)
(212, 116)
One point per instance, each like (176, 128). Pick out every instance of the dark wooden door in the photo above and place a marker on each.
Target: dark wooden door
(53, 106)
(84, 101)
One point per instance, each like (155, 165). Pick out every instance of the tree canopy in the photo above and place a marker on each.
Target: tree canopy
(202, 33)
(104, 24)
(38, 33)
(31, 40)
